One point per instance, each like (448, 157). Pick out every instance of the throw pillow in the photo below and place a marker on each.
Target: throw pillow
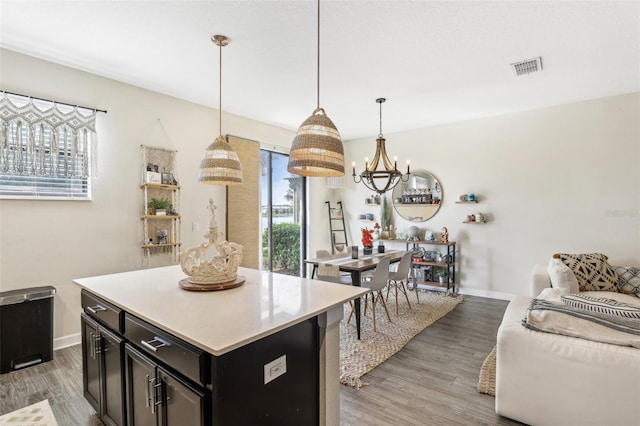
(561, 276)
(592, 271)
(628, 280)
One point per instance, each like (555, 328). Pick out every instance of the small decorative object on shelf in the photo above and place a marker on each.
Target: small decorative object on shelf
(367, 241)
(467, 198)
(441, 273)
(376, 231)
(428, 236)
(477, 218)
(444, 235)
(380, 247)
(436, 200)
(213, 264)
(159, 205)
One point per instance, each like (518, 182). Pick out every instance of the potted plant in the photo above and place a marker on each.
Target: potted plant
(436, 200)
(367, 241)
(441, 273)
(159, 205)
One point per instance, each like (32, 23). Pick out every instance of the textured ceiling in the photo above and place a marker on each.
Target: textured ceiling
(435, 62)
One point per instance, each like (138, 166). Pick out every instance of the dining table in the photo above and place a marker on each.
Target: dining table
(355, 267)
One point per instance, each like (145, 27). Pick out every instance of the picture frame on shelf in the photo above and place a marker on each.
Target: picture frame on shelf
(167, 179)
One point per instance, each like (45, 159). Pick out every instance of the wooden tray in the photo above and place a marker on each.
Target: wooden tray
(185, 284)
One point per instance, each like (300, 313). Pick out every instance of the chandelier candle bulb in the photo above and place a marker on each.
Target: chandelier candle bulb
(408, 162)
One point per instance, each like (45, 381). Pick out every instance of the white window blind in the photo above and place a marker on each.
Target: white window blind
(47, 150)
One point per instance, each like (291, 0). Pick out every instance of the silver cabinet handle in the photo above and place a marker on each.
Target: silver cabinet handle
(94, 310)
(147, 393)
(97, 344)
(157, 395)
(92, 345)
(155, 343)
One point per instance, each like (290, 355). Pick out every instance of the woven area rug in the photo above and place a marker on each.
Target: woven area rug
(358, 357)
(38, 414)
(487, 379)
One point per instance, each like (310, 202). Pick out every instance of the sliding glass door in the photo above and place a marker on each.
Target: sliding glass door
(283, 206)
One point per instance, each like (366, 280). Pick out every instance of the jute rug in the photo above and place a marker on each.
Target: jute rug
(487, 379)
(38, 414)
(358, 357)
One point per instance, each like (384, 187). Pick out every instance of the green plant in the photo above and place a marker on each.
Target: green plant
(285, 257)
(159, 203)
(441, 272)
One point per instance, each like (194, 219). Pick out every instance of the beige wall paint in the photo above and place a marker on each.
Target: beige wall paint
(565, 178)
(557, 179)
(52, 242)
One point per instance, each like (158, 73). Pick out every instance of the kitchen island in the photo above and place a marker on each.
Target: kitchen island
(266, 352)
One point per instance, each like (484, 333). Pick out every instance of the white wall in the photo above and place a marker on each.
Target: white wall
(52, 242)
(565, 178)
(557, 179)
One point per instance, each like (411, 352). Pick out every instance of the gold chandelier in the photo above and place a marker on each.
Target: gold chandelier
(220, 164)
(317, 148)
(382, 180)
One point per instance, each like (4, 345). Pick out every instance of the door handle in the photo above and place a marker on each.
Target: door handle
(157, 394)
(94, 310)
(97, 344)
(92, 345)
(147, 393)
(155, 343)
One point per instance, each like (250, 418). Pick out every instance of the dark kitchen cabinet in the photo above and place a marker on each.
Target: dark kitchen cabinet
(102, 366)
(158, 396)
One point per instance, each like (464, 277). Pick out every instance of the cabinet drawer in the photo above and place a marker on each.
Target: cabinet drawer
(172, 351)
(103, 311)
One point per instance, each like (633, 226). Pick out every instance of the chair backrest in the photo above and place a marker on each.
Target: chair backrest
(404, 265)
(322, 253)
(380, 276)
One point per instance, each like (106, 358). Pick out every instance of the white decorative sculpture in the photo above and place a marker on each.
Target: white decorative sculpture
(214, 261)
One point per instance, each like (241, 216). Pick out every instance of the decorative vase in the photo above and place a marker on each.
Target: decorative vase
(367, 250)
(441, 280)
(380, 248)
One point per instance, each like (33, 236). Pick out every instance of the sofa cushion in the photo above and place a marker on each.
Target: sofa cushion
(561, 276)
(628, 280)
(592, 271)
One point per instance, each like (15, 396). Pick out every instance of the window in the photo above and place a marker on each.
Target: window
(45, 149)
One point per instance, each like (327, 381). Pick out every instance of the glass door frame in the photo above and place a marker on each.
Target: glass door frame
(303, 219)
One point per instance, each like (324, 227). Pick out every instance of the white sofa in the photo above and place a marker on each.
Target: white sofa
(550, 379)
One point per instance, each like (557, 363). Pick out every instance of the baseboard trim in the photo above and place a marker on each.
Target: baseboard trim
(66, 341)
(486, 293)
(474, 292)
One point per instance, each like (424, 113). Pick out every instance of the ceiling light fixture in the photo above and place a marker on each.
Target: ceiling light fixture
(221, 164)
(317, 148)
(387, 178)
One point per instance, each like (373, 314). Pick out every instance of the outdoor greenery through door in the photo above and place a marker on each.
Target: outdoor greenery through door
(283, 205)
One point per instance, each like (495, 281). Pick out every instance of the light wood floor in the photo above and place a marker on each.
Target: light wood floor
(432, 381)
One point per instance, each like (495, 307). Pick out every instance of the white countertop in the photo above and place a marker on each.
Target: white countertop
(219, 321)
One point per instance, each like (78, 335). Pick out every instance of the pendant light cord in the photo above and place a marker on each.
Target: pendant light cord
(380, 134)
(220, 95)
(318, 62)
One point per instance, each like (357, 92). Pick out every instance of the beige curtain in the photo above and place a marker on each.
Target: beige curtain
(243, 202)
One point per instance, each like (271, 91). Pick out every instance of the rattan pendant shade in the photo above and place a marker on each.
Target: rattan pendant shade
(317, 148)
(220, 164)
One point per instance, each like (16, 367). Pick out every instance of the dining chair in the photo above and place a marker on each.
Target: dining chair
(334, 278)
(375, 287)
(398, 278)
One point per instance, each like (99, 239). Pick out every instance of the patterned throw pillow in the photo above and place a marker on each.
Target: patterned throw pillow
(628, 280)
(592, 271)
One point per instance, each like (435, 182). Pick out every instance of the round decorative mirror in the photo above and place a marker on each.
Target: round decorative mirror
(418, 199)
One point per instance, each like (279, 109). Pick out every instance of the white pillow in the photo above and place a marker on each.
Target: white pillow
(562, 276)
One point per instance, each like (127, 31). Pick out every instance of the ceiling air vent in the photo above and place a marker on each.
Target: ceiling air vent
(527, 67)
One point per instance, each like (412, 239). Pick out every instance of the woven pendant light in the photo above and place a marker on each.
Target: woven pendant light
(317, 148)
(221, 164)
